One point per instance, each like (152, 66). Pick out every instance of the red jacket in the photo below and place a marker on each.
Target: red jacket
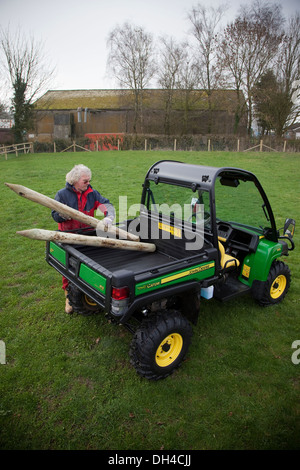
(86, 202)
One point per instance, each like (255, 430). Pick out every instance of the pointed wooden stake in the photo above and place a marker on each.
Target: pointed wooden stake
(68, 211)
(75, 239)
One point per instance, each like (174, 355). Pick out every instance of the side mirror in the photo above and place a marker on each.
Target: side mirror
(289, 228)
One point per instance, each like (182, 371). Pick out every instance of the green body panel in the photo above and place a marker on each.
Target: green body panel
(92, 278)
(256, 266)
(198, 272)
(58, 253)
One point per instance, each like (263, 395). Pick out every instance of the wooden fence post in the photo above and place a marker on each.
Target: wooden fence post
(261, 146)
(284, 146)
(238, 145)
(175, 144)
(208, 147)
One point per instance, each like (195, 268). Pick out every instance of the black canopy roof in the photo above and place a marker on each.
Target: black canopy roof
(193, 175)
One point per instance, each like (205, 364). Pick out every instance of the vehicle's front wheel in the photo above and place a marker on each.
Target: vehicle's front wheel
(277, 284)
(160, 344)
(81, 303)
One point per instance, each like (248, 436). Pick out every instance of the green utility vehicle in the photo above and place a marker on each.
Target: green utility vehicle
(215, 237)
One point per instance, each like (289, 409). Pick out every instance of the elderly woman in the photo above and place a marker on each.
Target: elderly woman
(79, 194)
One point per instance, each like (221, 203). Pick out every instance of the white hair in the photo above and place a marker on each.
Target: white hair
(75, 174)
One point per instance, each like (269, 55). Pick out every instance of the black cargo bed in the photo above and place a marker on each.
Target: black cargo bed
(113, 259)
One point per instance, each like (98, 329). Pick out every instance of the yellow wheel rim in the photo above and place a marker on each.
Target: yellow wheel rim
(168, 350)
(89, 301)
(278, 286)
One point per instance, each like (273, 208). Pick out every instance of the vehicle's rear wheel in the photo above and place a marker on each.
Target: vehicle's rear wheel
(160, 344)
(81, 303)
(277, 284)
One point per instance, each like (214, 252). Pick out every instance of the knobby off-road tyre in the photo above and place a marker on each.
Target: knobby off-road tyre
(160, 344)
(277, 284)
(81, 303)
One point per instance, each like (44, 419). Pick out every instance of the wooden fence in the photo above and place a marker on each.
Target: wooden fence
(143, 142)
(25, 147)
(175, 144)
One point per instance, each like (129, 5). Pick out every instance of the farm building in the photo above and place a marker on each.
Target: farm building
(73, 114)
(6, 123)
(293, 131)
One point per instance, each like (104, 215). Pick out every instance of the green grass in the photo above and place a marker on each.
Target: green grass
(67, 382)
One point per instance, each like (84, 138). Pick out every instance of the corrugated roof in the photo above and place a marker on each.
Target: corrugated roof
(73, 99)
(122, 99)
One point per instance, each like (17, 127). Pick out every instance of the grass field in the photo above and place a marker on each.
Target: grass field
(68, 383)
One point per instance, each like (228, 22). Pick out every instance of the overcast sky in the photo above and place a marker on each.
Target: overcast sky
(75, 32)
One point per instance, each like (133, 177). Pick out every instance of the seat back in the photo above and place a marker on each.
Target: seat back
(227, 261)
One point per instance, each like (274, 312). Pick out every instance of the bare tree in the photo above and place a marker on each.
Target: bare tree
(24, 62)
(205, 21)
(250, 45)
(172, 58)
(275, 94)
(232, 57)
(188, 82)
(131, 60)
(288, 68)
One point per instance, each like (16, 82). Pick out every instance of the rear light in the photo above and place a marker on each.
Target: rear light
(120, 300)
(120, 293)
